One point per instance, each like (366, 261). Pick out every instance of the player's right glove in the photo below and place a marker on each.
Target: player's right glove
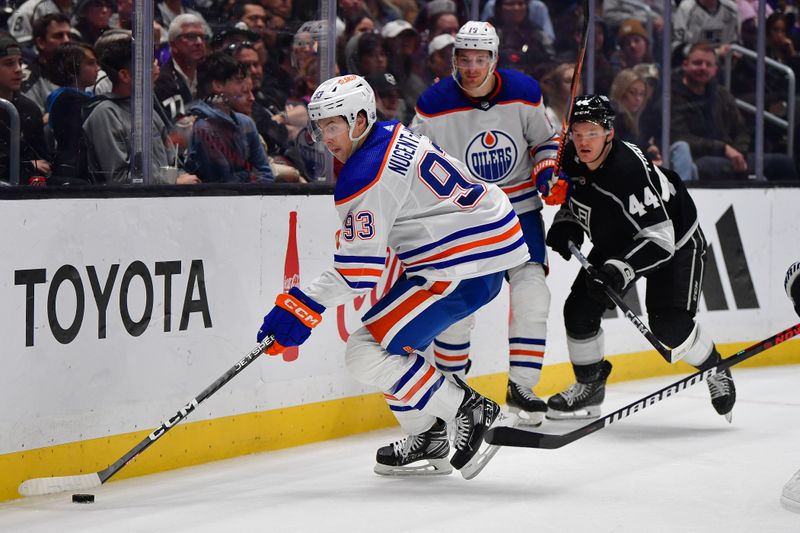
(553, 189)
(792, 285)
(291, 320)
(597, 280)
(563, 230)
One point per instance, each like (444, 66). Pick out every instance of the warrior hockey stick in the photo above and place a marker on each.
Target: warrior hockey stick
(573, 89)
(529, 439)
(51, 485)
(670, 355)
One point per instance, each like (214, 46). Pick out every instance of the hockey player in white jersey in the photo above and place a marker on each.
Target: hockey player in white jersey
(495, 122)
(455, 236)
(790, 496)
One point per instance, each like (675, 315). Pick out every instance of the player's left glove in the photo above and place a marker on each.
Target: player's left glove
(792, 285)
(597, 280)
(553, 189)
(290, 321)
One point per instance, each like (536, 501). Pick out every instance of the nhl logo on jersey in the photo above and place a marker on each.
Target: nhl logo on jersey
(491, 155)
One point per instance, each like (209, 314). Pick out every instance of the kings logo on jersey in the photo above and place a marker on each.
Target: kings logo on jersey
(491, 155)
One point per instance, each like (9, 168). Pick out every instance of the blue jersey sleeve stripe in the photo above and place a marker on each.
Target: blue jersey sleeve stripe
(458, 235)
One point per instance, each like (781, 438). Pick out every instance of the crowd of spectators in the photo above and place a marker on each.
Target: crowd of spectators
(232, 79)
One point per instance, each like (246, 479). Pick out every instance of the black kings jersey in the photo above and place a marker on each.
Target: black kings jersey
(630, 209)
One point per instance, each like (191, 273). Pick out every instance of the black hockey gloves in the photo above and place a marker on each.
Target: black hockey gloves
(597, 280)
(564, 229)
(792, 285)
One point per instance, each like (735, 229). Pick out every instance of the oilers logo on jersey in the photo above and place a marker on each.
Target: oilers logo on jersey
(491, 155)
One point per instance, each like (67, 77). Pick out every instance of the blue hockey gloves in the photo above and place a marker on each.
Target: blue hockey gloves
(290, 321)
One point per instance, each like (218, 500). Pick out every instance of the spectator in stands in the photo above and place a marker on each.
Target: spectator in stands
(704, 114)
(538, 15)
(615, 12)
(225, 146)
(168, 10)
(629, 96)
(556, 86)
(252, 14)
(92, 18)
(49, 32)
(440, 58)
(437, 17)
(358, 22)
(107, 128)
(123, 19)
(713, 21)
(402, 44)
(33, 150)
(522, 46)
(381, 11)
(388, 100)
(74, 69)
(283, 172)
(177, 84)
(634, 46)
(20, 24)
(364, 55)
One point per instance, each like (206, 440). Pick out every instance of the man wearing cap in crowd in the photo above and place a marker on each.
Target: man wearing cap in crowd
(402, 42)
(388, 103)
(440, 58)
(33, 149)
(441, 16)
(634, 46)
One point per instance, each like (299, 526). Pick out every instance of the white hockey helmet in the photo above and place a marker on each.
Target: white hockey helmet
(476, 35)
(344, 96)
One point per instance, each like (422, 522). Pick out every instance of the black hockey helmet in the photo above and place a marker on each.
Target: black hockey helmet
(594, 108)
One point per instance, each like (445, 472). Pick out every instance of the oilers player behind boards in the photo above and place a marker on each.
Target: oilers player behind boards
(455, 235)
(495, 122)
(642, 223)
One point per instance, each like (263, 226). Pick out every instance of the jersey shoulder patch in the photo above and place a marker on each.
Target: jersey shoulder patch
(517, 86)
(363, 168)
(441, 98)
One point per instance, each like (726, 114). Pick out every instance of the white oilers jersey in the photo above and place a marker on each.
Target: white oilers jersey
(399, 191)
(501, 138)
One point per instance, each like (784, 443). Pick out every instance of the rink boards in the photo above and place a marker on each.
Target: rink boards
(114, 313)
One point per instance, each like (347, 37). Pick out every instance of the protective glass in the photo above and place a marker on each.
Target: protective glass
(473, 62)
(590, 136)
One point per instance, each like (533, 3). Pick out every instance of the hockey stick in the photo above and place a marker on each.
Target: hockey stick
(573, 89)
(529, 439)
(52, 485)
(670, 355)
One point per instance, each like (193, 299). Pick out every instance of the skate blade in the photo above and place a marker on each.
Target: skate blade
(579, 414)
(790, 504)
(529, 419)
(428, 467)
(479, 461)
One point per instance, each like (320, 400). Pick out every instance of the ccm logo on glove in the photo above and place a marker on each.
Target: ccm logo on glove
(298, 309)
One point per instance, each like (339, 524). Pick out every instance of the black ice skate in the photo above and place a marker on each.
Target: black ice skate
(523, 402)
(416, 455)
(583, 399)
(723, 393)
(475, 415)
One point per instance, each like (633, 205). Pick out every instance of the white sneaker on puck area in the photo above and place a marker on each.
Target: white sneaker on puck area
(790, 497)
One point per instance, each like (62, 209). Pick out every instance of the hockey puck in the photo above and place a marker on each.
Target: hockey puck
(83, 498)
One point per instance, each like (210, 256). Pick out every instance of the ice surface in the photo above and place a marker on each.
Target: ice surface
(675, 467)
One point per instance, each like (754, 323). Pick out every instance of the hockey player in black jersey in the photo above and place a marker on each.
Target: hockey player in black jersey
(642, 223)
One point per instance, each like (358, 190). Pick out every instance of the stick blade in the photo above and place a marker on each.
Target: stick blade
(510, 436)
(52, 485)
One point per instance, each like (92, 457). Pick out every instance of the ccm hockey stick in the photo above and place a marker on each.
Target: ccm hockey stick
(573, 90)
(670, 355)
(521, 438)
(52, 485)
